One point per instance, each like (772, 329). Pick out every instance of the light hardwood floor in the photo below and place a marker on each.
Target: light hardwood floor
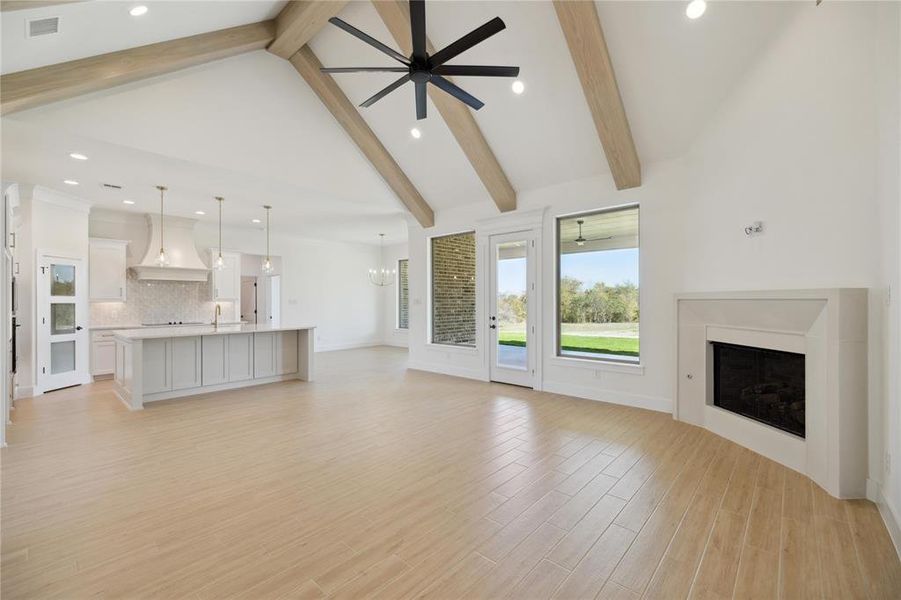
(378, 482)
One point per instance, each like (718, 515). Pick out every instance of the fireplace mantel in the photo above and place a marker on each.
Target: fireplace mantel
(828, 326)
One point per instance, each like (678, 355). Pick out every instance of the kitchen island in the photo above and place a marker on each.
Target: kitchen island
(170, 362)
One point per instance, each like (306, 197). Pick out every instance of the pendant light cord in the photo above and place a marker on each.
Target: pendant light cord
(220, 199)
(161, 189)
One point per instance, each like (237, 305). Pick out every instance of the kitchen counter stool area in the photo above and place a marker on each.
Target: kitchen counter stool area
(163, 363)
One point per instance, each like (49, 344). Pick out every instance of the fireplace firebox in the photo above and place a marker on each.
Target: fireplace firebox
(761, 384)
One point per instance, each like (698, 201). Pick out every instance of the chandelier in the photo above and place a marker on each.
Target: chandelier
(381, 275)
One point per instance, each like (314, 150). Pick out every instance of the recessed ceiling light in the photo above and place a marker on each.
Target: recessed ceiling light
(518, 87)
(255, 221)
(78, 156)
(128, 202)
(199, 212)
(695, 9)
(416, 133)
(137, 11)
(70, 182)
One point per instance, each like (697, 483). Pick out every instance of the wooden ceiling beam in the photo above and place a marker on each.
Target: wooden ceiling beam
(34, 87)
(9, 5)
(308, 65)
(299, 21)
(588, 48)
(459, 119)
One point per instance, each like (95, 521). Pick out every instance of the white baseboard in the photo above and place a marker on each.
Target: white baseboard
(347, 345)
(446, 369)
(395, 344)
(889, 513)
(24, 391)
(611, 396)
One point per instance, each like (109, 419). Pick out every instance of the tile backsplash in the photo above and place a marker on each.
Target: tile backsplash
(160, 302)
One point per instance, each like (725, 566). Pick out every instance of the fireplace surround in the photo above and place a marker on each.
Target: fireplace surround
(824, 328)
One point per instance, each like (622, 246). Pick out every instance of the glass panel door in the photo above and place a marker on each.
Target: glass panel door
(510, 323)
(62, 308)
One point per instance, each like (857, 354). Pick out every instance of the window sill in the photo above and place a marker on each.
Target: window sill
(599, 365)
(467, 350)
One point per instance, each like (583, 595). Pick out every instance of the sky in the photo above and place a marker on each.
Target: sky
(610, 266)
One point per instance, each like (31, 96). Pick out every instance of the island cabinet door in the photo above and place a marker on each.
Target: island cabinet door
(186, 363)
(265, 360)
(240, 356)
(215, 359)
(157, 375)
(286, 353)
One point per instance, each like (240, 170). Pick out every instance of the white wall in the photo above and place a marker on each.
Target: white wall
(323, 283)
(391, 335)
(54, 222)
(800, 145)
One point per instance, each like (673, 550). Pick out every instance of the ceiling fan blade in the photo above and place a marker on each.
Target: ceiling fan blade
(420, 100)
(478, 35)
(477, 71)
(457, 92)
(417, 29)
(386, 91)
(369, 40)
(364, 69)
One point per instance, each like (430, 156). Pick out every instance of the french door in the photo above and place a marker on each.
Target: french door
(62, 308)
(511, 316)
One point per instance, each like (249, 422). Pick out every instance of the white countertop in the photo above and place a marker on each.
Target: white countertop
(185, 331)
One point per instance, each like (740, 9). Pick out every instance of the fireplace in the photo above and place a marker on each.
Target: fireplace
(761, 384)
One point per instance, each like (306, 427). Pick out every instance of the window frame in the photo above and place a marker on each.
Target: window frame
(558, 337)
(397, 324)
(430, 241)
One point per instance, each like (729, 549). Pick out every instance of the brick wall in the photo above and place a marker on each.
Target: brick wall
(454, 289)
(403, 294)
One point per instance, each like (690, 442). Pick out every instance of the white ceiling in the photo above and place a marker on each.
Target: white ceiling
(250, 129)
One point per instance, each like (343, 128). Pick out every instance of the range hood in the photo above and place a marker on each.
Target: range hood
(184, 263)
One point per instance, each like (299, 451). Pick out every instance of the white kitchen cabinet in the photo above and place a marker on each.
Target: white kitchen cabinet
(225, 284)
(275, 353)
(240, 356)
(171, 364)
(214, 368)
(156, 363)
(286, 352)
(103, 353)
(227, 358)
(107, 270)
(264, 354)
(185, 362)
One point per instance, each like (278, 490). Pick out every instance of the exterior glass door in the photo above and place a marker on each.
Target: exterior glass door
(511, 329)
(62, 339)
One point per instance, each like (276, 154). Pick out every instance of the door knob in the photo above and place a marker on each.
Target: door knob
(78, 328)
(493, 326)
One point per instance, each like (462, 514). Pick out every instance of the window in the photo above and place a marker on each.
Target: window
(597, 285)
(454, 289)
(403, 294)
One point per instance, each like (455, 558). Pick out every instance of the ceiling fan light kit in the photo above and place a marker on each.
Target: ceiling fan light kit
(422, 68)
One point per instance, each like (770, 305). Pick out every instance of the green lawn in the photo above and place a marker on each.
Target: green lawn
(624, 346)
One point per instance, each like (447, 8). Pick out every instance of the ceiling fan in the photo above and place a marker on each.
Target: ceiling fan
(580, 241)
(422, 68)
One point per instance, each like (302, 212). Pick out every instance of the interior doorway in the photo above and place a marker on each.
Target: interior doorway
(249, 299)
(260, 299)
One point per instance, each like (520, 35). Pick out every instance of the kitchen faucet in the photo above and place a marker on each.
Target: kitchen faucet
(216, 314)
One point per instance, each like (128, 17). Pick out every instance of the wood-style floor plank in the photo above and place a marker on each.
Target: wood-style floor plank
(378, 482)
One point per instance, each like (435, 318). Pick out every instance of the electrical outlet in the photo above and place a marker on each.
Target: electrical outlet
(292, 301)
(598, 374)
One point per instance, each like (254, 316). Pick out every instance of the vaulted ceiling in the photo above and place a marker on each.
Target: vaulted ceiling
(250, 128)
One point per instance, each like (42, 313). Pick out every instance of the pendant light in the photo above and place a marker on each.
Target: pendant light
(219, 263)
(267, 261)
(162, 260)
(381, 275)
